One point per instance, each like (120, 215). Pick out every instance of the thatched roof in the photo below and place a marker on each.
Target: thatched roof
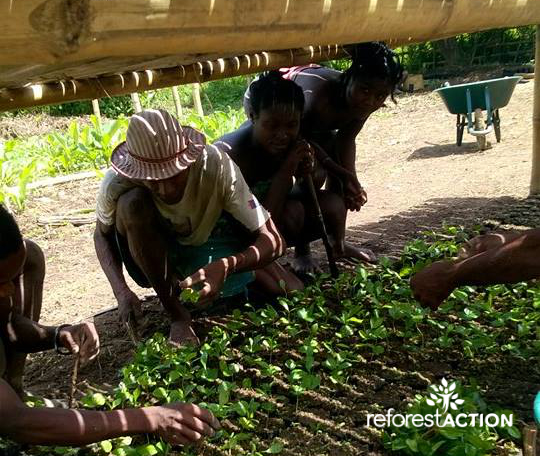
(90, 40)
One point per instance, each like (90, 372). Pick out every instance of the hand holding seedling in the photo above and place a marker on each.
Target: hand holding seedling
(81, 339)
(181, 424)
(211, 278)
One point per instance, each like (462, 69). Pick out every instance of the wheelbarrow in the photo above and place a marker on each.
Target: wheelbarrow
(468, 101)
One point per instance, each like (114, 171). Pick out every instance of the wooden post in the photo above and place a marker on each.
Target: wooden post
(136, 102)
(177, 104)
(95, 108)
(535, 173)
(196, 92)
(529, 441)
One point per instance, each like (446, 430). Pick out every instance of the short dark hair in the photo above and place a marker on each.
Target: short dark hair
(272, 89)
(374, 59)
(10, 235)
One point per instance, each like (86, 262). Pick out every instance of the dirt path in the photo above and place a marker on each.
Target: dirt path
(415, 176)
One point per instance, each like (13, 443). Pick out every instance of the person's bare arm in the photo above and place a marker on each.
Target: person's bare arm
(282, 181)
(514, 261)
(109, 257)
(175, 423)
(27, 336)
(345, 168)
(268, 246)
(345, 144)
(111, 263)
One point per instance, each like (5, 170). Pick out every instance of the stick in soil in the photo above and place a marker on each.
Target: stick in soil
(74, 376)
(132, 333)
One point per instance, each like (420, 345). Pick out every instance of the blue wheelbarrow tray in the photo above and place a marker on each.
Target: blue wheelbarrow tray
(466, 100)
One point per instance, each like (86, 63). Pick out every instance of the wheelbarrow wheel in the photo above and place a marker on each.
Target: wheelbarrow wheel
(497, 125)
(479, 125)
(460, 124)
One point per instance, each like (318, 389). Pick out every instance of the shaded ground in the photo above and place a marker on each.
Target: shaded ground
(416, 180)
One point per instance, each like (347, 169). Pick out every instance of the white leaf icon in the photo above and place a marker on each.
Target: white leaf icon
(453, 406)
(430, 402)
(433, 396)
(454, 396)
(444, 382)
(452, 386)
(459, 401)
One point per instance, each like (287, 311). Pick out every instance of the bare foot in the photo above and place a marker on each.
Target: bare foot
(305, 264)
(182, 334)
(358, 253)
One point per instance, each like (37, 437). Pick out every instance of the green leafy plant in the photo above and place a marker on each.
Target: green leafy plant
(262, 365)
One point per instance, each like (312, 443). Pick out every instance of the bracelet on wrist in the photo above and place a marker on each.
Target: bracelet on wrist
(60, 349)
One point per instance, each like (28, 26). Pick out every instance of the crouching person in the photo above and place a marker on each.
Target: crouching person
(156, 210)
(22, 270)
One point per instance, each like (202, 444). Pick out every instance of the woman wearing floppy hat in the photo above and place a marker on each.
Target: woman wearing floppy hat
(156, 210)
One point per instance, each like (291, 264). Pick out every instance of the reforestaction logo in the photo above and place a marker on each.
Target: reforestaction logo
(442, 398)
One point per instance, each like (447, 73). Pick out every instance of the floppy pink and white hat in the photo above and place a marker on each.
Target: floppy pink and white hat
(157, 147)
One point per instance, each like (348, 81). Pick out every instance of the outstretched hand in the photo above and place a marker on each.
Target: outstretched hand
(181, 424)
(433, 284)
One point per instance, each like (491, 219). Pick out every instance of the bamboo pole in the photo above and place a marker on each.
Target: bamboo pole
(126, 83)
(136, 102)
(535, 173)
(47, 31)
(95, 109)
(196, 94)
(177, 103)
